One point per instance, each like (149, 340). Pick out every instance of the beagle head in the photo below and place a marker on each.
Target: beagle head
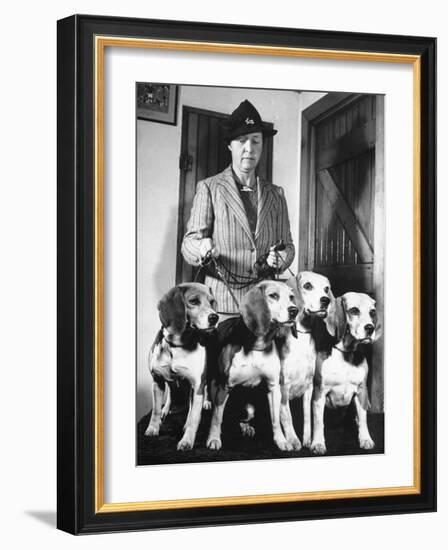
(313, 293)
(269, 304)
(355, 319)
(188, 304)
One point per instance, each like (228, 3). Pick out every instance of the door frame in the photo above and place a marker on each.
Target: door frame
(329, 104)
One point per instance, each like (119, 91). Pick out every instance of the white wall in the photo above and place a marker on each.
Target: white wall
(28, 274)
(158, 149)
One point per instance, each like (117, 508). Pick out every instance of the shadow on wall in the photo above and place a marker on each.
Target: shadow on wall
(161, 277)
(164, 274)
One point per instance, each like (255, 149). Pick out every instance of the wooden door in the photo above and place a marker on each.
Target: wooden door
(204, 154)
(342, 212)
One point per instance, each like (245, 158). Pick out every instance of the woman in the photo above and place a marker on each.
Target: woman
(237, 218)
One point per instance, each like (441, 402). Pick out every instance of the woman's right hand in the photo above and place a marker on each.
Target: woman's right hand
(207, 247)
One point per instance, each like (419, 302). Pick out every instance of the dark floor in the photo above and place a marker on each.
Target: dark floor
(340, 434)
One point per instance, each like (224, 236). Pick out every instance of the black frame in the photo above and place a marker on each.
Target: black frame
(76, 472)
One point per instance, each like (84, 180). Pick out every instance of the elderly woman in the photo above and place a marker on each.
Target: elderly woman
(237, 218)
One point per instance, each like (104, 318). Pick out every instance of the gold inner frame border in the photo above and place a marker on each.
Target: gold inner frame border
(101, 42)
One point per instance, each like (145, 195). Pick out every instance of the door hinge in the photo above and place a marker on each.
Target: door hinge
(186, 162)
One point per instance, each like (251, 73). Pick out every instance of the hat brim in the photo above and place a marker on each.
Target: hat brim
(265, 129)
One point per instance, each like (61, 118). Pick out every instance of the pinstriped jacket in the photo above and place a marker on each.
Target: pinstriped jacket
(218, 213)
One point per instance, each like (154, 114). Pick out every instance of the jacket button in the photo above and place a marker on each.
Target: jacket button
(252, 249)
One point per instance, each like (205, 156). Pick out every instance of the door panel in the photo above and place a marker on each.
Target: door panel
(345, 162)
(342, 203)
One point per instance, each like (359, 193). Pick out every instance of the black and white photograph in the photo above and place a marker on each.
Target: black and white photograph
(259, 275)
(222, 247)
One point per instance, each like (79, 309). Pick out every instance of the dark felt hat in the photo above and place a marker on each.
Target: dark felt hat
(245, 119)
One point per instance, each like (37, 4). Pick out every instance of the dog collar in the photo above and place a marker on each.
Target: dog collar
(266, 348)
(172, 345)
(197, 337)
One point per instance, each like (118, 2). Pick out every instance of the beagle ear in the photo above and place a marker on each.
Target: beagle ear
(213, 303)
(335, 320)
(255, 312)
(330, 320)
(172, 310)
(294, 283)
(378, 329)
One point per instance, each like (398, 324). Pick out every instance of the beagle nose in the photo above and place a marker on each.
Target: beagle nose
(325, 301)
(213, 319)
(369, 328)
(293, 311)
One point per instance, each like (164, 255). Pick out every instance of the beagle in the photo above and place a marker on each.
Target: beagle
(297, 351)
(341, 375)
(248, 356)
(187, 313)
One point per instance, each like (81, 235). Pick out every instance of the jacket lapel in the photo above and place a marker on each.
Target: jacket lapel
(230, 194)
(265, 200)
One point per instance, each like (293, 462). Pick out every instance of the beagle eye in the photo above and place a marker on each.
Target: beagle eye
(274, 296)
(308, 286)
(373, 313)
(354, 311)
(194, 302)
(327, 289)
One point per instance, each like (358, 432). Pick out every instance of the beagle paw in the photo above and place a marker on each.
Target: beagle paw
(366, 443)
(294, 444)
(318, 448)
(152, 431)
(306, 442)
(247, 430)
(207, 405)
(185, 444)
(282, 444)
(214, 444)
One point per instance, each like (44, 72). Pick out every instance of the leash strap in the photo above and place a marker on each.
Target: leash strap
(221, 276)
(209, 259)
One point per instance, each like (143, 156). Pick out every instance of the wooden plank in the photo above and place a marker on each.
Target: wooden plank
(180, 263)
(350, 145)
(191, 177)
(377, 376)
(212, 165)
(327, 105)
(202, 147)
(190, 120)
(312, 205)
(304, 205)
(264, 168)
(347, 217)
(361, 187)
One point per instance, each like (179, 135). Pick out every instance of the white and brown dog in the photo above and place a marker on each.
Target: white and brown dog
(248, 356)
(187, 313)
(297, 351)
(341, 375)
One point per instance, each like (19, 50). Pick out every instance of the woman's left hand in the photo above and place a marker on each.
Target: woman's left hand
(276, 259)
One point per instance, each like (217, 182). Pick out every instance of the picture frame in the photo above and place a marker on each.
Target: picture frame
(157, 102)
(82, 122)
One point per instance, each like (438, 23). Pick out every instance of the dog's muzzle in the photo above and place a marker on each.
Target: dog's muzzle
(369, 330)
(213, 319)
(321, 313)
(292, 312)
